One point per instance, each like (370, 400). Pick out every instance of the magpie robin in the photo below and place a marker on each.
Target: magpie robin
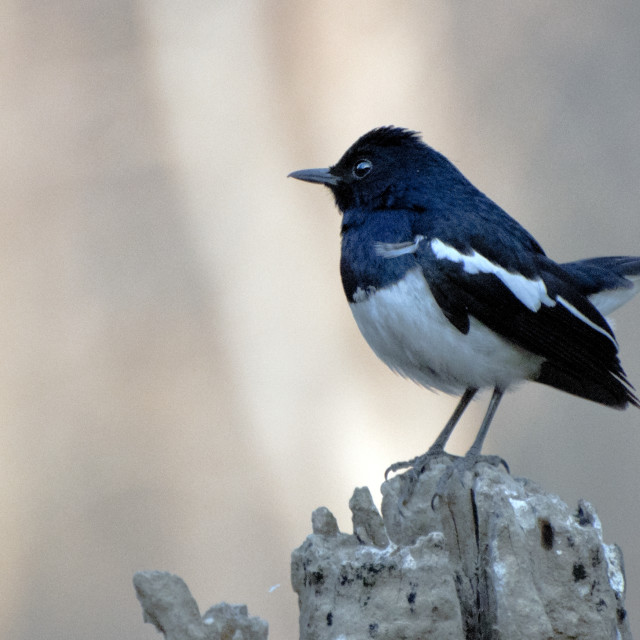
(452, 292)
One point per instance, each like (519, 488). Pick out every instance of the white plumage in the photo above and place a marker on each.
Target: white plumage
(407, 330)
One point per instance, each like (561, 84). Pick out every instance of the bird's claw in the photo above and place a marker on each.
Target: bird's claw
(419, 463)
(495, 461)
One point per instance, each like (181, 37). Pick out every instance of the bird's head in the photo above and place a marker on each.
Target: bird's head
(387, 167)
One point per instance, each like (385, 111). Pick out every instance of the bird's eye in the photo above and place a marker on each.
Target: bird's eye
(361, 168)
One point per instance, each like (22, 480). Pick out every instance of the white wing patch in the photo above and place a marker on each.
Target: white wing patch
(532, 293)
(396, 249)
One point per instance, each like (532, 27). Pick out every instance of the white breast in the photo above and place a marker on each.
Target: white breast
(405, 327)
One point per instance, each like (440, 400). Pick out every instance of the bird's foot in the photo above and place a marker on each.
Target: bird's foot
(418, 464)
(416, 467)
(460, 467)
(456, 466)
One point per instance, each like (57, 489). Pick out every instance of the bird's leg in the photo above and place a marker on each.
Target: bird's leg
(474, 451)
(437, 448)
(461, 465)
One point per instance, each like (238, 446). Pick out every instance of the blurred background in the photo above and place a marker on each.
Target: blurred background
(181, 379)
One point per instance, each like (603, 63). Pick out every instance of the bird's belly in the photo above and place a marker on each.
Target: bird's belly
(407, 330)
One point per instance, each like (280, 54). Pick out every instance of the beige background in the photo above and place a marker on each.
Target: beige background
(181, 380)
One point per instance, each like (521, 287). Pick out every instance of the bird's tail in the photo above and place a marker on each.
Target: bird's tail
(607, 282)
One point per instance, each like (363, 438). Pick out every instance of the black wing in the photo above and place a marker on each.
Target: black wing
(576, 342)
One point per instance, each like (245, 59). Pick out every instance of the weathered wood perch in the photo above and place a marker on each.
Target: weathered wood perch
(168, 604)
(496, 559)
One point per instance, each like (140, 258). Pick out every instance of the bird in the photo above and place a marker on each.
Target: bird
(453, 293)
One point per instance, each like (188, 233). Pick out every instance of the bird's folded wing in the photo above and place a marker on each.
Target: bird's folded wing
(542, 312)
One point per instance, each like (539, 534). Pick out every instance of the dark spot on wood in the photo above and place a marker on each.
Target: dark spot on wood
(579, 572)
(374, 568)
(582, 517)
(546, 534)
(316, 577)
(329, 619)
(373, 630)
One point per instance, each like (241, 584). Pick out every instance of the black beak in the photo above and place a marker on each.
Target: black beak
(322, 176)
